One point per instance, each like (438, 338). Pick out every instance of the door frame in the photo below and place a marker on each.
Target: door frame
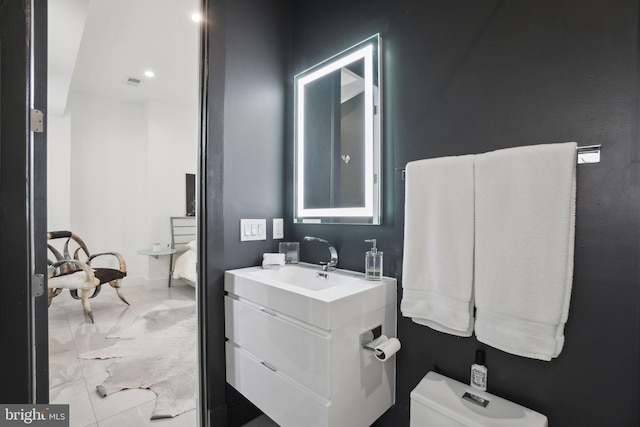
(23, 308)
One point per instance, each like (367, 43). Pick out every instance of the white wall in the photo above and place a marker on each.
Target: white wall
(173, 132)
(126, 175)
(172, 153)
(109, 175)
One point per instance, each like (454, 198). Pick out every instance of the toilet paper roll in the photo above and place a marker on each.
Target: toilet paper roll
(386, 349)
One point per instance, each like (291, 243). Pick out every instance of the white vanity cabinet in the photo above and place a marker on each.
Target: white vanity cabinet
(302, 374)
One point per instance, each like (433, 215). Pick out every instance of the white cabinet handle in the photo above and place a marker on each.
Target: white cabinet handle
(268, 366)
(267, 311)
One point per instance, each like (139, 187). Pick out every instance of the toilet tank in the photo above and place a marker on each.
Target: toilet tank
(439, 401)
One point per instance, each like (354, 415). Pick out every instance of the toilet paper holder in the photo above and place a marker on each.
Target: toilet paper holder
(368, 336)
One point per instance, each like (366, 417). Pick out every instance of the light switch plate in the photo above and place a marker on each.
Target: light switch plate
(253, 229)
(278, 228)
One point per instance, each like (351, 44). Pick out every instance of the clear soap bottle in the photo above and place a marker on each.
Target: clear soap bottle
(373, 262)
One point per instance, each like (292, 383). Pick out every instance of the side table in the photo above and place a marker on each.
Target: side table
(162, 252)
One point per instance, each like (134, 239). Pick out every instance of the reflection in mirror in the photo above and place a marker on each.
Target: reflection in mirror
(337, 138)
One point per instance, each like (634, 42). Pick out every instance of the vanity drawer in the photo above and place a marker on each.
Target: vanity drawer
(285, 401)
(300, 353)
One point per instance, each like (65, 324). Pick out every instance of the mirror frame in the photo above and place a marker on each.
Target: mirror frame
(368, 50)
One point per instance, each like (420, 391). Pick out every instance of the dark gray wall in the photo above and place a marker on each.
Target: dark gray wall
(459, 77)
(243, 160)
(471, 76)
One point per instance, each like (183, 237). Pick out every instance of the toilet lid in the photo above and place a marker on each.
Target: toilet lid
(445, 395)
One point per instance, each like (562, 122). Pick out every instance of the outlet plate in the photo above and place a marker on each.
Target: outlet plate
(253, 229)
(278, 228)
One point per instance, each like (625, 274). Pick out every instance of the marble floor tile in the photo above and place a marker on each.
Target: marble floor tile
(74, 380)
(104, 407)
(64, 368)
(140, 417)
(57, 312)
(92, 367)
(105, 315)
(60, 338)
(76, 396)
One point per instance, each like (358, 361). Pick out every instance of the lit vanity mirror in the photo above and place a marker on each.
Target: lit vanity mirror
(337, 138)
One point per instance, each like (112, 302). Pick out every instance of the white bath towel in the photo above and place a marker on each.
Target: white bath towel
(525, 226)
(437, 267)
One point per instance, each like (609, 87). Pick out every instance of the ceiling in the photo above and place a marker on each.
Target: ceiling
(95, 45)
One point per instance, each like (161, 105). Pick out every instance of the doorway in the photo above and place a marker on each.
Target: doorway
(122, 139)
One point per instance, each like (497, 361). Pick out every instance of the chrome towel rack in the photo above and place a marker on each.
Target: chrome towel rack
(589, 154)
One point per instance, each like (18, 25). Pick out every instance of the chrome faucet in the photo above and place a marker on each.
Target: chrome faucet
(333, 263)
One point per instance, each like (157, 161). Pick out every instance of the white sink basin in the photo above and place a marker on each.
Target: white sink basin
(305, 292)
(312, 279)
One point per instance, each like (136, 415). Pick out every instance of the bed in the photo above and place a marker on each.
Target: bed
(183, 240)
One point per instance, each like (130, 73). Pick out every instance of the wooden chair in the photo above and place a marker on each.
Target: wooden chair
(76, 274)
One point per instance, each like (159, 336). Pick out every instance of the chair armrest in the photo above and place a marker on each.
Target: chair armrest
(123, 264)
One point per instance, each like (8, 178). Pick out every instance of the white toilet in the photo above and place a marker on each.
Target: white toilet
(439, 401)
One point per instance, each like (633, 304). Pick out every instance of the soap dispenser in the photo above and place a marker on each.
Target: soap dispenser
(479, 372)
(373, 262)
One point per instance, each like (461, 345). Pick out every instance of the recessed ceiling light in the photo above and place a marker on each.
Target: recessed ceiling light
(149, 73)
(196, 17)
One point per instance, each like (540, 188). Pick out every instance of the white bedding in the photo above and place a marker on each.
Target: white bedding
(185, 267)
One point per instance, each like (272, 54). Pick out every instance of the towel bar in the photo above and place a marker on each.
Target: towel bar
(589, 154)
(585, 154)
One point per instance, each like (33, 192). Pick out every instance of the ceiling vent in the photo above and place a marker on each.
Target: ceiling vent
(133, 81)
